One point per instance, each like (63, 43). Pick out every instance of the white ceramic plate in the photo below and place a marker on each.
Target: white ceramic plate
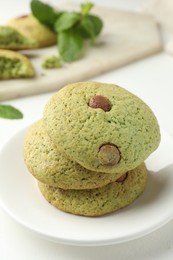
(21, 198)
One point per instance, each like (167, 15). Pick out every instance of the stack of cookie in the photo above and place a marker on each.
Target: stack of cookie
(88, 151)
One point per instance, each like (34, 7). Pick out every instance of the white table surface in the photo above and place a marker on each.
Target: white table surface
(152, 80)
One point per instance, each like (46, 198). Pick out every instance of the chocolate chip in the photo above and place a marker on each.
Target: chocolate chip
(109, 155)
(122, 178)
(100, 102)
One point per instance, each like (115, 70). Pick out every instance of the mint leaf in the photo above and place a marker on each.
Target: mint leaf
(70, 44)
(97, 26)
(97, 23)
(88, 27)
(7, 111)
(44, 13)
(66, 21)
(86, 8)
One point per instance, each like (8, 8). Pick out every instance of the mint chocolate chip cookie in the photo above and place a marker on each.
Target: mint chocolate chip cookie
(50, 166)
(30, 27)
(12, 39)
(15, 65)
(103, 127)
(100, 201)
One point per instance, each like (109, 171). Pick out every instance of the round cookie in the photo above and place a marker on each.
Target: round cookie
(30, 27)
(101, 126)
(98, 201)
(48, 165)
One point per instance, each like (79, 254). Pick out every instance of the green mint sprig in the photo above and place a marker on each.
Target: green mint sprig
(86, 8)
(44, 13)
(70, 44)
(10, 112)
(72, 28)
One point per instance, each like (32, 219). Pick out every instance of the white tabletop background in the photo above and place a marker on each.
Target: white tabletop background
(152, 80)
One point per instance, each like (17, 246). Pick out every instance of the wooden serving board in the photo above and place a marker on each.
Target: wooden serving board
(126, 37)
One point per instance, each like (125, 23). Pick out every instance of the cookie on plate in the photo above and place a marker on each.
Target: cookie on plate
(29, 26)
(13, 40)
(98, 201)
(48, 165)
(15, 65)
(103, 127)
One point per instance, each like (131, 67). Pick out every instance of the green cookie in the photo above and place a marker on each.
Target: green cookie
(30, 27)
(12, 39)
(98, 201)
(15, 65)
(48, 165)
(101, 126)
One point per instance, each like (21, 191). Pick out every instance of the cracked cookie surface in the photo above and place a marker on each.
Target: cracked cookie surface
(100, 201)
(80, 130)
(48, 165)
